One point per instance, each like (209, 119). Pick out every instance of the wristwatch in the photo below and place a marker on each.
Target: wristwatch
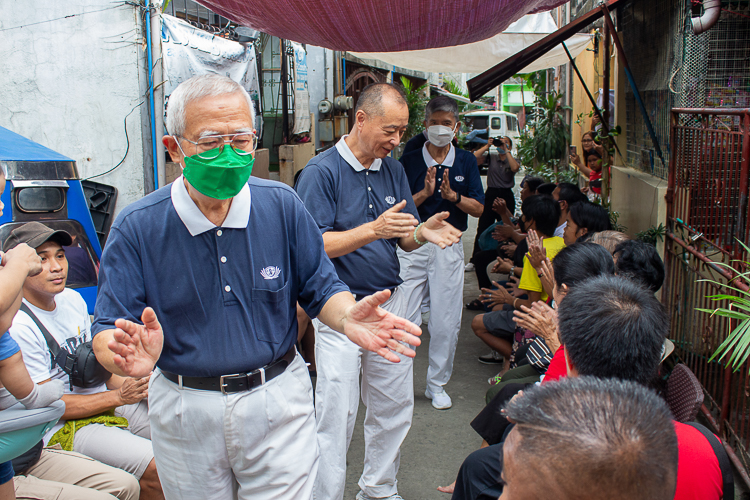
(458, 199)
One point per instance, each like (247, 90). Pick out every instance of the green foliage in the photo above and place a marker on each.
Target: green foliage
(545, 144)
(416, 100)
(652, 235)
(737, 344)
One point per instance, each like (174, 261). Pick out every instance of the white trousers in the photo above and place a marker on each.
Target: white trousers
(388, 394)
(257, 444)
(438, 274)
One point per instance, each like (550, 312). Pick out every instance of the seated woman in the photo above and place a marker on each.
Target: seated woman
(572, 265)
(585, 217)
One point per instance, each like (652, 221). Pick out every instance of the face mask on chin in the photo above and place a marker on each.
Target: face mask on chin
(220, 178)
(440, 135)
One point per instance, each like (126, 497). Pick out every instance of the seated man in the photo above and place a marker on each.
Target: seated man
(122, 401)
(611, 328)
(56, 474)
(496, 329)
(589, 438)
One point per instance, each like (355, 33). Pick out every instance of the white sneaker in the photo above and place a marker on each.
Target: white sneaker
(469, 267)
(362, 496)
(440, 400)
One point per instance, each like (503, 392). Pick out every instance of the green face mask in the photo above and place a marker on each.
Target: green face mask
(221, 177)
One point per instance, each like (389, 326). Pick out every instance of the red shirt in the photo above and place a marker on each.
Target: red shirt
(698, 472)
(595, 176)
(557, 368)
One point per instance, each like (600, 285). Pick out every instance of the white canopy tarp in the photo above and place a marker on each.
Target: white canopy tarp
(477, 57)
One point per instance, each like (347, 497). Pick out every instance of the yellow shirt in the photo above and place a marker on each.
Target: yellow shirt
(529, 278)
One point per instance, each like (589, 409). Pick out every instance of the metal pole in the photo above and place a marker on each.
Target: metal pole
(154, 152)
(591, 97)
(605, 115)
(284, 88)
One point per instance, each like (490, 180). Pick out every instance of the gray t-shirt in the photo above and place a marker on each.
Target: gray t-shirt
(499, 174)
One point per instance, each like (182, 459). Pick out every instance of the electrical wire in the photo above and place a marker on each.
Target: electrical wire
(127, 139)
(121, 4)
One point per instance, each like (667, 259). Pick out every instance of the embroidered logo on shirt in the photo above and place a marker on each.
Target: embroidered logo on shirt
(459, 178)
(390, 200)
(270, 272)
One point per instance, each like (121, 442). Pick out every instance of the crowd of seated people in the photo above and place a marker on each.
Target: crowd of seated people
(591, 313)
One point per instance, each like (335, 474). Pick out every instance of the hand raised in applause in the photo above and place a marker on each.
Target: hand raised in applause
(436, 230)
(394, 224)
(137, 347)
(429, 181)
(446, 191)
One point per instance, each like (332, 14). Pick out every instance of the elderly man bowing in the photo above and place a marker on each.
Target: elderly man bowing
(442, 178)
(221, 262)
(361, 201)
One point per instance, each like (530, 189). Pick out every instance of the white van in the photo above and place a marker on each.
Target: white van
(497, 123)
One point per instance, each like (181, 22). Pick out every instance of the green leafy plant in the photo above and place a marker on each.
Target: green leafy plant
(542, 148)
(737, 343)
(416, 100)
(652, 235)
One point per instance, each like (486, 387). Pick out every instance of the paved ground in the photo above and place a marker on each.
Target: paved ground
(439, 440)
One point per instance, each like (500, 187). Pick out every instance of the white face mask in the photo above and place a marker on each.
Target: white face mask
(440, 135)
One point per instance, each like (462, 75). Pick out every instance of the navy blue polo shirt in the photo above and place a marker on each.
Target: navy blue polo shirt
(225, 296)
(464, 179)
(342, 196)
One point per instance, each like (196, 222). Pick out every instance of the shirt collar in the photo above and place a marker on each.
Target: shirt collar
(197, 223)
(352, 160)
(448, 162)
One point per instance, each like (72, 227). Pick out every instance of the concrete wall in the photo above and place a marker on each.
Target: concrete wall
(69, 83)
(639, 198)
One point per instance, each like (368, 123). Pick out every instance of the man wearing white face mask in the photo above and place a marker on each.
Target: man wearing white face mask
(442, 178)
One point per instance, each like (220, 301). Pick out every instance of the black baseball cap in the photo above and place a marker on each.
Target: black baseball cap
(35, 234)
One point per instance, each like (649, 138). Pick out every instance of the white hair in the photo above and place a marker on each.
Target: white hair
(198, 87)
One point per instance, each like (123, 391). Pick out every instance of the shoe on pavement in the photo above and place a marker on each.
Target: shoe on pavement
(469, 267)
(440, 400)
(493, 358)
(475, 305)
(495, 380)
(361, 496)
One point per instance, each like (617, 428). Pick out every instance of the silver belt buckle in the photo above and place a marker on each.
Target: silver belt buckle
(222, 385)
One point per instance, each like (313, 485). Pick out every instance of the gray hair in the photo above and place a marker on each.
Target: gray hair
(371, 99)
(198, 87)
(594, 438)
(441, 103)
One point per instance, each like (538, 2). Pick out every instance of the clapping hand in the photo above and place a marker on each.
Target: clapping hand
(500, 207)
(547, 276)
(429, 181)
(445, 188)
(137, 347)
(394, 224)
(492, 298)
(502, 266)
(537, 253)
(509, 248)
(436, 230)
(502, 232)
(375, 329)
(540, 319)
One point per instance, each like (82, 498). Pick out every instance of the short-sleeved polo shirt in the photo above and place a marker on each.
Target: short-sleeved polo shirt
(464, 179)
(225, 296)
(341, 194)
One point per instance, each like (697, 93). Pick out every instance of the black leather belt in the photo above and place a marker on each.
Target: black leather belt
(360, 297)
(229, 384)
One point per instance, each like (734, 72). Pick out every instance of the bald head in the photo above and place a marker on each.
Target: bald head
(375, 96)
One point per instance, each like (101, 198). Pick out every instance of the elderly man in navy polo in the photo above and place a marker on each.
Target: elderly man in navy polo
(442, 178)
(221, 262)
(361, 201)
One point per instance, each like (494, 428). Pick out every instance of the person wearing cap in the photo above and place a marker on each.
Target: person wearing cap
(200, 279)
(111, 420)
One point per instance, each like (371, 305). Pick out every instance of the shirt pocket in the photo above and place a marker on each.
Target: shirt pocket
(271, 313)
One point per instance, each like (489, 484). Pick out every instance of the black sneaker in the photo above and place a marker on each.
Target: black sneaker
(493, 358)
(475, 305)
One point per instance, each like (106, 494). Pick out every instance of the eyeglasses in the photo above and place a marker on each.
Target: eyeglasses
(211, 146)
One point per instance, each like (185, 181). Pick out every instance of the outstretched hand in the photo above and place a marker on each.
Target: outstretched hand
(437, 231)
(137, 347)
(375, 329)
